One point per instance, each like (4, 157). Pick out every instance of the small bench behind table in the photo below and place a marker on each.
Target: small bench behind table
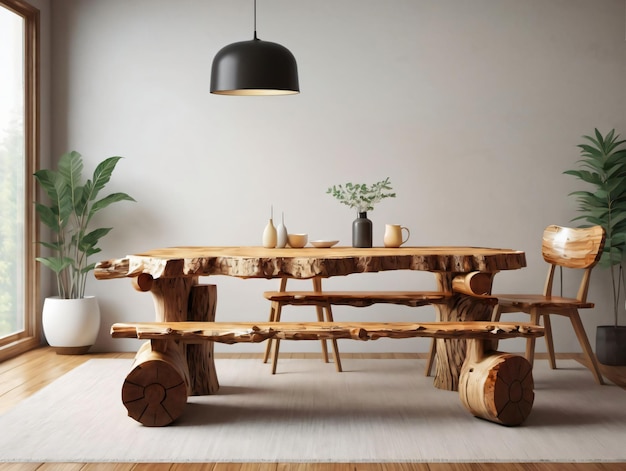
(475, 284)
(493, 385)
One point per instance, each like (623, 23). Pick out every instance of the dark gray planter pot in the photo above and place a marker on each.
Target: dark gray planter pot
(611, 345)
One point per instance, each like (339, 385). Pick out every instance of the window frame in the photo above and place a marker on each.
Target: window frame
(30, 337)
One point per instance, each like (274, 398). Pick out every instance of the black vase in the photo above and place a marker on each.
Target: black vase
(611, 344)
(362, 231)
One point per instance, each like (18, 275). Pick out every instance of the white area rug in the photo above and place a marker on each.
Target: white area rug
(375, 411)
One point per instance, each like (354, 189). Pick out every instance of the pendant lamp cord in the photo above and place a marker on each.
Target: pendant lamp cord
(255, 20)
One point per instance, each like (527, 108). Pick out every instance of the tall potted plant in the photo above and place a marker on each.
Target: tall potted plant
(603, 166)
(362, 197)
(71, 320)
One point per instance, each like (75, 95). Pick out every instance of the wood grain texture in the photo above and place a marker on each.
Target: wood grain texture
(572, 247)
(496, 386)
(200, 357)
(155, 391)
(259, 262)
(460, 307)
(356, 298)
(253, 332)
(475, 283)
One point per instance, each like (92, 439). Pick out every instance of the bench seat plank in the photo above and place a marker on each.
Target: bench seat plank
(235, 332)
(527, 301)
(358, 298)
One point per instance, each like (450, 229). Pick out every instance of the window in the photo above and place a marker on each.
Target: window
(19, 106)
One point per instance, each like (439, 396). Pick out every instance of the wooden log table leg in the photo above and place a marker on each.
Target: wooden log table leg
(183, 299)
(451, 353)
(200, 357)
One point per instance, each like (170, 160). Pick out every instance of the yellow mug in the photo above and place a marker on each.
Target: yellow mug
(393, 235)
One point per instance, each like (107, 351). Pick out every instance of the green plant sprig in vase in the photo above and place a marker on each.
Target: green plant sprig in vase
(72, 205)
(362, 197)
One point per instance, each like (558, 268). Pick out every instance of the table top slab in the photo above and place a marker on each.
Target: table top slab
(259, 262)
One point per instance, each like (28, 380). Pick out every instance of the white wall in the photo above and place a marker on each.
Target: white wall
(473, 109)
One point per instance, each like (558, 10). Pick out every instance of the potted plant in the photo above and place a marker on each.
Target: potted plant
(70, 320)
(603, 166)
(362, 197)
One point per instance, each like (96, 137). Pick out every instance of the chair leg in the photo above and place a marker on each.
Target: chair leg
(275, 357)
(277, 313)
(547, 325)
(329, 318)
(317, 286)
(496, 313)
(584, 343)
(530, 342)
(268, 346)
(431, 357)
(274, 307)
(320, 318)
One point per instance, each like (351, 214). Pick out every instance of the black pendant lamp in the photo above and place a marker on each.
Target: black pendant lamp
(256, 67)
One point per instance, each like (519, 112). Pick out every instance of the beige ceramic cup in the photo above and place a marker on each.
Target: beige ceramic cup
(393, 235)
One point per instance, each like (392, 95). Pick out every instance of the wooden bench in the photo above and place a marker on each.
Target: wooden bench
(475, 284)
(493, 385)
(357, 298)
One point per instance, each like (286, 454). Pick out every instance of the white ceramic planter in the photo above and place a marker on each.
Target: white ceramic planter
(71, 325)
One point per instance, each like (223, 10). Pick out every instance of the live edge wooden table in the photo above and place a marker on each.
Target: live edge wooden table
(172, 276)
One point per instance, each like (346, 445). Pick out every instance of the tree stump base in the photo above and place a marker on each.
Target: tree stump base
(155, 391)
(496, 386)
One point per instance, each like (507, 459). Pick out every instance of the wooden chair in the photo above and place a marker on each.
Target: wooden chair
(561, 247)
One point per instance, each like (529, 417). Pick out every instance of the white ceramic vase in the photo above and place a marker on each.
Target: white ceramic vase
(71, 326)
(270, 236)
(281, 234)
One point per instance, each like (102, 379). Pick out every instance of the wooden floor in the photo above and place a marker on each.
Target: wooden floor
(22, 376)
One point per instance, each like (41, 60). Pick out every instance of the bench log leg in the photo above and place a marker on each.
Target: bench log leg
(496, 386)
(155, 391)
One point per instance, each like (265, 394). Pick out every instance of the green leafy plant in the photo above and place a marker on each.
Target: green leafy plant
(73, 203)
(603, 166)
(361, 196)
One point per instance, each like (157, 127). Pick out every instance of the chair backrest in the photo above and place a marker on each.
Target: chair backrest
(579, 248)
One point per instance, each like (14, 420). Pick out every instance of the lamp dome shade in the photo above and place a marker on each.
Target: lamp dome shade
(254, 67)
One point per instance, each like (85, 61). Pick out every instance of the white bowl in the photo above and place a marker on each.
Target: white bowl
(324, 244)
(297, 241)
